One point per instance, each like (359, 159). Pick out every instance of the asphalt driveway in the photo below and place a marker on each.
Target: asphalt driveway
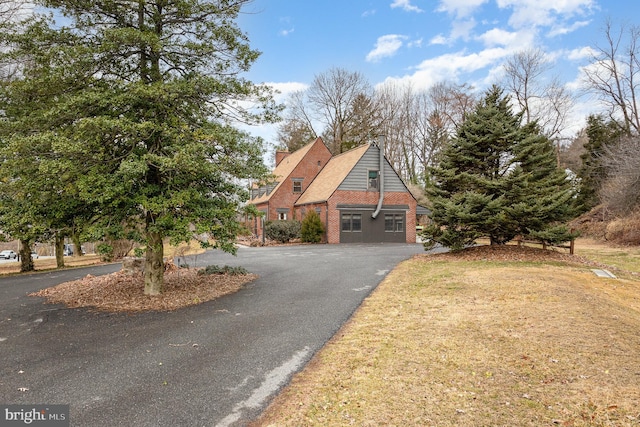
(215, 364)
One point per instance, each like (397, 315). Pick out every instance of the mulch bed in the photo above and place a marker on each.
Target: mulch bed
(120, 292)
(513, 253)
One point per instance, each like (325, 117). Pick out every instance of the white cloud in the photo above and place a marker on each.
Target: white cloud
(562, 29)
(527, 13)
(285, 21)
(439, 39)
(369, 12)
(284, 89)
(497, 37)
(460, 29)
(512, 40)
(386, 46)
(415, 43)
(460, 8)
(451, 67)
(405, 5)
(580, 53)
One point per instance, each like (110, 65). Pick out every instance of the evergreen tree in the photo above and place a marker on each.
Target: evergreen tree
(312, 228)
(593, 173)
(140, 100)
(497, 179)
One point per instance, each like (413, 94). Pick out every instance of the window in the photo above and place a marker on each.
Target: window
(297, 185)
(394, 223)
(399, 220)
(388, 222)
(352, 222)
(282, 216)
(372, 180)
(356, 222)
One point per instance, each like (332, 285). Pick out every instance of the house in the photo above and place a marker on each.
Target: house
(359, 196)
(293, 174)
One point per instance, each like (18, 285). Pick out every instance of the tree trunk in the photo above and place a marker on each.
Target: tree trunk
(26, 263)
(75, 237)
(59, 251)
(154, 264)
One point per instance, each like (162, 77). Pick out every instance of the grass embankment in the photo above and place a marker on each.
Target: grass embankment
(455, 341)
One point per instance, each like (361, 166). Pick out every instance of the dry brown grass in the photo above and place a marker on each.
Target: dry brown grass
(489, 340)
(50, 263)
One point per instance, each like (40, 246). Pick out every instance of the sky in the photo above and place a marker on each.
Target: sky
(423, 42)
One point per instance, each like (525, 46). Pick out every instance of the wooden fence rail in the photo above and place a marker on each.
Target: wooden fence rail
(570, 246)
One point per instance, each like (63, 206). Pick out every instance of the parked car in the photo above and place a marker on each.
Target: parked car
(8, 254)
(68, 250)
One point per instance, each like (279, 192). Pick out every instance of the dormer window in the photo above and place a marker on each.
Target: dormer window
(373, 180)
(297, 185)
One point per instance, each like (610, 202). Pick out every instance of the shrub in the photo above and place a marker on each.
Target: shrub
(282, 231)
(312, 229)
(105, 251)
(214, 269)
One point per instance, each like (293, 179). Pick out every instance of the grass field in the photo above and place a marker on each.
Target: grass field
(457, 342)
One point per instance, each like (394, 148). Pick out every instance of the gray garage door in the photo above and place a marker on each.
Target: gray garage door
(357, 225)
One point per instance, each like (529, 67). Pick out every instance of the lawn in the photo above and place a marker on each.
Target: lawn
(483, 340)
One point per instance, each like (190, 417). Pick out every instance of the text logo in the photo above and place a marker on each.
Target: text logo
(34, 415)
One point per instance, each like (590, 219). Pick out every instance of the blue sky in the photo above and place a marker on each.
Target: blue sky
(424, 41)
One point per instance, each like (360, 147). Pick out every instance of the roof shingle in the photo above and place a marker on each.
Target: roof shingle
(331, 176)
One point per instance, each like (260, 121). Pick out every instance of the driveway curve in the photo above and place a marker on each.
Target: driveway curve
(215, 364)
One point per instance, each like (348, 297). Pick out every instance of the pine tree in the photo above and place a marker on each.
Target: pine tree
(592, 173)
(140, 101)
(497, 179)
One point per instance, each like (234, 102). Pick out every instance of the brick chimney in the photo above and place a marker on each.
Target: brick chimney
(280, 156)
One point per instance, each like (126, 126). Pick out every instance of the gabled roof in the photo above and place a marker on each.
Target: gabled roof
(285, 168)
(331, 176)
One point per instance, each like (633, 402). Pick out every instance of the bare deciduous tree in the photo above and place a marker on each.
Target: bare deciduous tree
(297, 127)
(613, 75)
(621, 190)
(570, 153)
(331, 96)
(540, 98)
(418, 123)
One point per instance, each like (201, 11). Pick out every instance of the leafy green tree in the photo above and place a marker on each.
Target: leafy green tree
(497, 179)
(312, 228)
(143, 99)
(601, 134)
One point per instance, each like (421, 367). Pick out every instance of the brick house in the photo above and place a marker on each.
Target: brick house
(356, 203)
(293, 174)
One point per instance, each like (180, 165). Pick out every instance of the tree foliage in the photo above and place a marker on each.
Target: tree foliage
(498, 179)
(136, 102)
(602, 135)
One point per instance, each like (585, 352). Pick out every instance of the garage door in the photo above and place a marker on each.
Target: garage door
(357, 226)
